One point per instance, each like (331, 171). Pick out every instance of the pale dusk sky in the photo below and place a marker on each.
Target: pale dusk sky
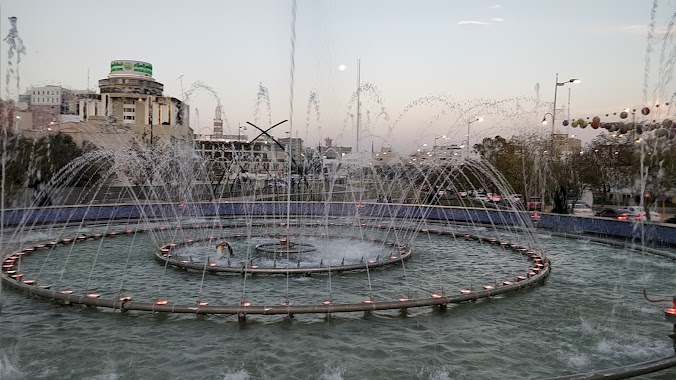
(437, 50)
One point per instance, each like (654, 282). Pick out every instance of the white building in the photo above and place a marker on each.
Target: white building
(439, 155)
(386, 156)
(130, 106)
(47, 95)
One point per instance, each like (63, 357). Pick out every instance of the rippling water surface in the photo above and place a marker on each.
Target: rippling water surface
(590, 314)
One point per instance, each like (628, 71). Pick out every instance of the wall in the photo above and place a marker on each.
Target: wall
(656, 233)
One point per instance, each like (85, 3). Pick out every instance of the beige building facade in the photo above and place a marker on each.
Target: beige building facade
(129, 108)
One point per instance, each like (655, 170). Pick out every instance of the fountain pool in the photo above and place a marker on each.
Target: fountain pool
(590, 314)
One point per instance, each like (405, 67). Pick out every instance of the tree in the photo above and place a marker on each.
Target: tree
(655, 166)
(514, 159)
(35, 163)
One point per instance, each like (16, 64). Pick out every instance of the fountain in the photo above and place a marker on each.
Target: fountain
(335, 259)
(429, 278)
(333, 236)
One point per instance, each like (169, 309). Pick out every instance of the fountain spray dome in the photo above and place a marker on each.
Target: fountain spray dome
(130, 76)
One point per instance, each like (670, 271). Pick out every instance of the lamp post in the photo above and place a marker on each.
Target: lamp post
(469, 123)
(556, 89)
(544, 118)
(421, 146)
(437, 138)
(239, 132)
(358, 101)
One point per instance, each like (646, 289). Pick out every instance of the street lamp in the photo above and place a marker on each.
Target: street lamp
(556, 89)
(463, 144)
(421, 146)
(469, 122)
(437, 138)
(544, 118)
(239, 131)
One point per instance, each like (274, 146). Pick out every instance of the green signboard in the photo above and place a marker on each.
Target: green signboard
(131, 67)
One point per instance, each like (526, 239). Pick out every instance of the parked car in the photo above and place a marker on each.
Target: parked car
(580, 209)
(638, 213)
(613, 214)
(534, 204)
(516, 198)
(671, 220)
(481, 198)
(494, 197)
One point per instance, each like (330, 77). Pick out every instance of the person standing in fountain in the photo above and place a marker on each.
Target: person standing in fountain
(220, 249)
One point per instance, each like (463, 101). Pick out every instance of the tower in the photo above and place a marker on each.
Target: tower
(218, 122)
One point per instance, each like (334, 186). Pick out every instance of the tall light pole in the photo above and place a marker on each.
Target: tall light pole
(568, 117)
(469, 123)
(556, 90)
(358, 101)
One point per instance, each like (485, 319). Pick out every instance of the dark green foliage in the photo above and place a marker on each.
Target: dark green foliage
(33, 163)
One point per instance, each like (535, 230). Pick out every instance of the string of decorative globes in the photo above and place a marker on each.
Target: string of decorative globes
(667, 128)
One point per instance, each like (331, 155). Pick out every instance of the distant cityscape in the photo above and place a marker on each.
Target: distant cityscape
(131, 108)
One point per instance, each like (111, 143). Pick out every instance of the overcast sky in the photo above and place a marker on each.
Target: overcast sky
(447, 55)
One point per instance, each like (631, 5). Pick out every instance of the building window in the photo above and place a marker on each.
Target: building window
(128, 117)
(127, 109)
